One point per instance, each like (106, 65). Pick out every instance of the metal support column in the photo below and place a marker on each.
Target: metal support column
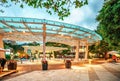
(44, 41)
(86, 51)
(77, 51)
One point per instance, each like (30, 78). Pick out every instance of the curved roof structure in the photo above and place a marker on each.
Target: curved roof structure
(31, 29)
(40, 48)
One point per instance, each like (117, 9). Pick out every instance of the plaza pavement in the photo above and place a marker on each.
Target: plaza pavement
(88, 72)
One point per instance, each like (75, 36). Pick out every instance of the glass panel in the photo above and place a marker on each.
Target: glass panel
(37, 30)
(7, 30)
(79, 32)
(67, 30)
(21, 30)
(2, 25)
(35, 26)
(87, 35)
(62, 33)
(53, 32)
(16, 25)
(52, 27)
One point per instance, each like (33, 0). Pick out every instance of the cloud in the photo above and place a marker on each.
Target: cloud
(84, 16)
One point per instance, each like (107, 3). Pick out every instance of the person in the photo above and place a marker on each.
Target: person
(114, 58)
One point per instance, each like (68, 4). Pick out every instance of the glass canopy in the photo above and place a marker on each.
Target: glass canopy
(31, 29)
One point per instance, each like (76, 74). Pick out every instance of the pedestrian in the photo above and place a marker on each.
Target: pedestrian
(114, 58)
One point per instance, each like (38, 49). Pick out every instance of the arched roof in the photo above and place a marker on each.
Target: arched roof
(31, 29)
(40, 48)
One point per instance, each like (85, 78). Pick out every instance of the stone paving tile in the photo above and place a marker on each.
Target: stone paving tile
(52, 75)
(113, 70)
(92, 75)
(115, 66)
(77, 73)
(105, 75)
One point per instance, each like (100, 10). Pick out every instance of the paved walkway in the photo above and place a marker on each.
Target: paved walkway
(101, 72)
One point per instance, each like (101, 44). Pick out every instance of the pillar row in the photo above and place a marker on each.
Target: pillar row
(86, 51)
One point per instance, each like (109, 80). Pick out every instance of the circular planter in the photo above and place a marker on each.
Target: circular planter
(68, 64)
(12, 65)
(44, 65)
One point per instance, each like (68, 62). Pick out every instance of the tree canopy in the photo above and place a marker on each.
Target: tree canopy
(59, 7)
(109, 23)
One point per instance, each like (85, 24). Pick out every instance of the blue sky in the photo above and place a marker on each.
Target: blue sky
(84, 16)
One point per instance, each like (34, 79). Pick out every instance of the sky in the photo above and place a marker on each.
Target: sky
(84, 16)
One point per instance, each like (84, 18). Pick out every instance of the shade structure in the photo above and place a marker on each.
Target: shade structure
(40, 48)
(31, 29)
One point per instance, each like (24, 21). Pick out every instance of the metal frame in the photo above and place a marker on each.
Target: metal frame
(31, 29)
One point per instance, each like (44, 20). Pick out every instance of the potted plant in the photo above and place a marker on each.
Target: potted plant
(12, 65)
(68, 63)
(44, 65)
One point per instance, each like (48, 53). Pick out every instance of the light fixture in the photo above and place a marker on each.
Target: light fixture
(23, 31)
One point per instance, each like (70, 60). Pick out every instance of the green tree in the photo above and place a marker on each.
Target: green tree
(59, 45)
(100, 48)
(59, 7)
(109, 23)
(14, 48)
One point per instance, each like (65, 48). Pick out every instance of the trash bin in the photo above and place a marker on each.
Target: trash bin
(44, 65)
(68, 64)
(12, 65)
